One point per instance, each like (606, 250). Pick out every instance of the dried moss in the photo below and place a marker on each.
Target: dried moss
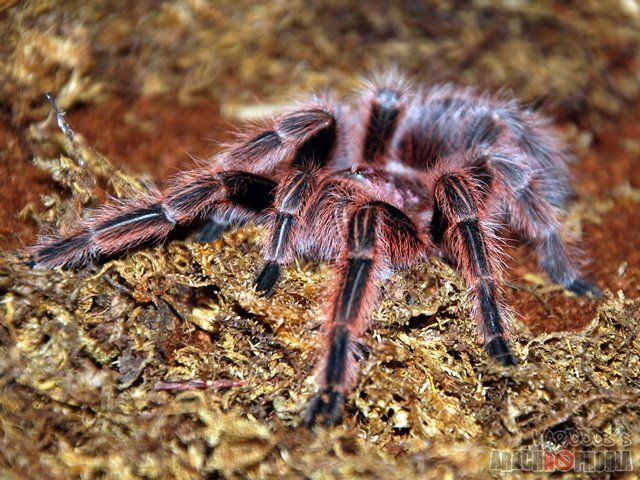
(581, 56)
(85, 356)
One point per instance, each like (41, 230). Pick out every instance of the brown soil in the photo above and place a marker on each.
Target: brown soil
(155, 139)
(21, 184)
(148, 137)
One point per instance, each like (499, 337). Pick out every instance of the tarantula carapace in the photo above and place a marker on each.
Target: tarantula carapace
(399, 174)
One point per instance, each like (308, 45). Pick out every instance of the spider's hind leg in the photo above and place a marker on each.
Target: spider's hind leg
(466, 237)
(536, 220)
(554, 260)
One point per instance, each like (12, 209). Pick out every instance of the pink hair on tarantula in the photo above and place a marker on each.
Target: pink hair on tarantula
(372, 186)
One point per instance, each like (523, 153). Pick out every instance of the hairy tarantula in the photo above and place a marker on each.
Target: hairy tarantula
(403, 173)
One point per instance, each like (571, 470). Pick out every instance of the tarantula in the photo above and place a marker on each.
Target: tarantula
(378, 185)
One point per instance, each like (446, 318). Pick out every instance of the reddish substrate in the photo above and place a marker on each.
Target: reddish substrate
(149, 137)
(156, 138)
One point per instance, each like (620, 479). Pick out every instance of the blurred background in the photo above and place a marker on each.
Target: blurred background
(151, 84)
(130, 73)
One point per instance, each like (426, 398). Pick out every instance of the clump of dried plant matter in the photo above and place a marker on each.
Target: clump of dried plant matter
(579, 55)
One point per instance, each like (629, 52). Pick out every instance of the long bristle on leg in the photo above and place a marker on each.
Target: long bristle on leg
(468, 239)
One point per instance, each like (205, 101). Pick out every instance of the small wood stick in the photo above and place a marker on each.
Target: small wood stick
(199, 385)
(64, 126)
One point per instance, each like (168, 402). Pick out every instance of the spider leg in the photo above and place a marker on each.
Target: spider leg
(536, 219)
(467, 238)
(386, 106)
(290, 200)
(292, 195)
(228, 194)
(555, 261)
(348, 315)
(386, 102)
(129, 223)
(379, 237)
(210, 230)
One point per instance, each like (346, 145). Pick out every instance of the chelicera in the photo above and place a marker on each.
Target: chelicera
(372, 185)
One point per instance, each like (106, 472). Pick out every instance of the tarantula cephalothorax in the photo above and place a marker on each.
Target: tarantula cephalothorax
(403, 173)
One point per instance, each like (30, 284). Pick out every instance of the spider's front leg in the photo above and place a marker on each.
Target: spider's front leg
(290, 199)
(150, 218)
(295, 189)
(379, 237)
(463, 233)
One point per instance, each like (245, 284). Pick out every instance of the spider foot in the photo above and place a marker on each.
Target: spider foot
(582, 287)
(499, 350)
(267, 279)
(324, 409)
